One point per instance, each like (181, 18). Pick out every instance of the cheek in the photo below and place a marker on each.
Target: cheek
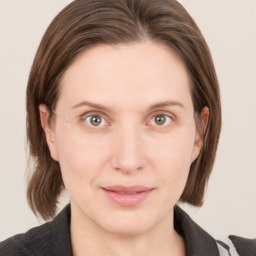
(176, 148)
(78, 161)
(174, 157)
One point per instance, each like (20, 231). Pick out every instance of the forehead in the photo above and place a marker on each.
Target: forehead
(125, 74)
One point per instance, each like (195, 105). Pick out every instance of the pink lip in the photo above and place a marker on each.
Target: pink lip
(127, 196)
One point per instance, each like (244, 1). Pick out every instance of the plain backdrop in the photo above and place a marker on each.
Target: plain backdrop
(229, 27)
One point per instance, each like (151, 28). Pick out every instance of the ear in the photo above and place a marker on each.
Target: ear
(200, 131)
(48, 130)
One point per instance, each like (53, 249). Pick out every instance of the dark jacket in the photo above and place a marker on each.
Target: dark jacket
(53, 239)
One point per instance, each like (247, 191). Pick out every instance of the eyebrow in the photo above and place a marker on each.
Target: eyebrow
(151, 107)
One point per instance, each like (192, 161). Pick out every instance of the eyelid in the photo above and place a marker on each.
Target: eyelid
(92, 113)
(164, 112)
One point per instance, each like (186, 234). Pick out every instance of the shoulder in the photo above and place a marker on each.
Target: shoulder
(51, 238)
(199, 242)
(25, 244)
(244, 246)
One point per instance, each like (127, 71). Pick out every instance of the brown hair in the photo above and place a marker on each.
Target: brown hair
(85, 23)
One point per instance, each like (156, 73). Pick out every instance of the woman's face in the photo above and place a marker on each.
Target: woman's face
(125, 135)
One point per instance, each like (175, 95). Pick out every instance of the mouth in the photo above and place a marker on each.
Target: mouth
(127, 196)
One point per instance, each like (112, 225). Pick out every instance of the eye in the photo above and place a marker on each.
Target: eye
(98, 121)
(94, 120)
(161, 119)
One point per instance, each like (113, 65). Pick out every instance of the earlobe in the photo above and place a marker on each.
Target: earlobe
(200, 131)
(48, 130)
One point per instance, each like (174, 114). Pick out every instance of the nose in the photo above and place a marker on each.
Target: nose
(128, 151)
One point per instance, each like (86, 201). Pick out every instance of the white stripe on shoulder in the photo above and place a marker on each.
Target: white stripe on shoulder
(222, 250)
(227, 252)
(231, 247)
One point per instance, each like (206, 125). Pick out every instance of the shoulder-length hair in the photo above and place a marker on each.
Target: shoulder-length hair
(86, 23)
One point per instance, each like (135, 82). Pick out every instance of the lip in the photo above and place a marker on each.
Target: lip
(127, 196)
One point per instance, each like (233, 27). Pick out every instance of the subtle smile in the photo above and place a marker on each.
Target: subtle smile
(127, 196)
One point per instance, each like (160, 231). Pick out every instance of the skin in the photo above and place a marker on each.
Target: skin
(129, 147)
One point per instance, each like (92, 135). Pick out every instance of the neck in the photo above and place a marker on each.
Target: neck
(89, 239)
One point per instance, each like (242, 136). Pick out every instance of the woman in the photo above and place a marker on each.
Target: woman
(123, 112)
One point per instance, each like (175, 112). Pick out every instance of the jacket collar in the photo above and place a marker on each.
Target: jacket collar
(198, 242)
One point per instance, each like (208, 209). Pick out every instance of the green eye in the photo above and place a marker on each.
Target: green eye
(94, 120)
(160, 120)
(98, 121)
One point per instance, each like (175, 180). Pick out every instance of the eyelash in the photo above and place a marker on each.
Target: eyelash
(85, 116)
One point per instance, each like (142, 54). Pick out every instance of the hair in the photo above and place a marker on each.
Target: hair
(86, 23)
